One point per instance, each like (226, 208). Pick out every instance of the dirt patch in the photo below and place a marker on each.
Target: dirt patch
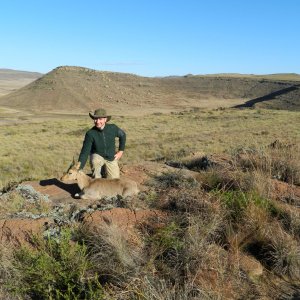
(19, 231)
(124, 218)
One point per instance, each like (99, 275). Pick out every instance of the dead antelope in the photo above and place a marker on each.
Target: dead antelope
(95, 189)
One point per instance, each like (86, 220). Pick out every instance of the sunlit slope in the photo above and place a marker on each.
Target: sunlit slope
(77, 89)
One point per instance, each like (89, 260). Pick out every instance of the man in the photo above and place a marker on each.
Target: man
(99, 143)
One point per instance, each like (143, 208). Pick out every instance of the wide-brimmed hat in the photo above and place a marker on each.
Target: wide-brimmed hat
(99, 113)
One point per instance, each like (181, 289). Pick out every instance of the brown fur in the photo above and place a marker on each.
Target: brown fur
(94, 189)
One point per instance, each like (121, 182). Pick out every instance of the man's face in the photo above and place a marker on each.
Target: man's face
(100, 122)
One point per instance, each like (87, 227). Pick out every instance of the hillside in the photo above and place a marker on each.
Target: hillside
(210, 229)
(12, 80)
(76, 89)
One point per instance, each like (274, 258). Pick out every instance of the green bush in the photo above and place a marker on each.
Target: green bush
(166, 252)
(55, 269)
(237, 201)
(167, 237)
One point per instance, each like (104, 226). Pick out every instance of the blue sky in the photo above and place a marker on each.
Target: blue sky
(152, 37)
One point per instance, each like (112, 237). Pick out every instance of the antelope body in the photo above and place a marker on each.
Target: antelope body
(95, 189)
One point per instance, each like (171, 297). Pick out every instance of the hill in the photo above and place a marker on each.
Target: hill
(77, 90)
(12, 80)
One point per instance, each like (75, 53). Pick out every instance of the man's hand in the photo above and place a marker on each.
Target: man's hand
(118, 155)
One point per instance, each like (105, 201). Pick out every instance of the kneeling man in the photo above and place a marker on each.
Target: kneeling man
(99, 143)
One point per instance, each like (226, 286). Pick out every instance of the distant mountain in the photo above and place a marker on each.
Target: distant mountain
(70, 89)
(11, 80)
(15, 74)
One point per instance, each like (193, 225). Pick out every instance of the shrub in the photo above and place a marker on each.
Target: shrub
(174, 180)
(237, 180)
(55, 269)
(166, 238)
(236, 203)
(166, 252)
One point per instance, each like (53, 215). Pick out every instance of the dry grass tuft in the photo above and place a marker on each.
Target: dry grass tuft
(7, 270)
(278, 162)
(113, 258)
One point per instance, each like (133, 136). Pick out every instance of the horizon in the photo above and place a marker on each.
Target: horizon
(171, 75)
(156, 39)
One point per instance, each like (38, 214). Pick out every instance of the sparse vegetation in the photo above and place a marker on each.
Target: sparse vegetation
(223, 239)
(54, 269)
(25, 157)
(231, 232)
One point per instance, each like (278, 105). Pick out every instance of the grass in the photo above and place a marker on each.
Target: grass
(42, 150)
(226, 236)
(53, 270)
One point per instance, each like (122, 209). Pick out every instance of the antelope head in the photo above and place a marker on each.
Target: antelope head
(72, 172)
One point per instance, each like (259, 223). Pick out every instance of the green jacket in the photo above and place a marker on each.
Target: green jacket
(102, 142)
